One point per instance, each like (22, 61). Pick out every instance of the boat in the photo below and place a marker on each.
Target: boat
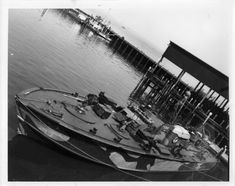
(98, 29)
(96, 128)
(93, 25)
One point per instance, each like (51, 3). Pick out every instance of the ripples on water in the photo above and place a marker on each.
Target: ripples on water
(53, 51)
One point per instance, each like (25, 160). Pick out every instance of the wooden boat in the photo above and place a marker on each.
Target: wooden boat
(98, 129)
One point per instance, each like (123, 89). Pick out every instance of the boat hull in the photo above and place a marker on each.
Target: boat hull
(94, 150)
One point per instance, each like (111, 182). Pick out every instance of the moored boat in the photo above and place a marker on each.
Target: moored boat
(96, 128)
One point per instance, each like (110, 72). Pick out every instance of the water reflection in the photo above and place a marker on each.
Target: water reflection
(58, 53)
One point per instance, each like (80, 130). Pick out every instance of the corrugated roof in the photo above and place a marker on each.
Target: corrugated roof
(198, 68)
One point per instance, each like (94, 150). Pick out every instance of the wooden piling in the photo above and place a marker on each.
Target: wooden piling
(129, 53)
(121, 43)
(133, 59)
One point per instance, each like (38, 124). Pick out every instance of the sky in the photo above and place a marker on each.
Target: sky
(202, 27)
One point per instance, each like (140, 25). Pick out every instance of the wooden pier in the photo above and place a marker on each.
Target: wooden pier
(119, 44)
(161, 89)
(162, 92)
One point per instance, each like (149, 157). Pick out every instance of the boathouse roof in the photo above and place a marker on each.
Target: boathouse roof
(197, 68)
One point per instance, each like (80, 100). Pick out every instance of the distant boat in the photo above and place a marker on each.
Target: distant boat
(91, 24)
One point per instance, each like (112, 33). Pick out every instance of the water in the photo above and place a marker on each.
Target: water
(50, 50)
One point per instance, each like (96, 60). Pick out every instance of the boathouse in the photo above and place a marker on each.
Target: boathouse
(160, 90)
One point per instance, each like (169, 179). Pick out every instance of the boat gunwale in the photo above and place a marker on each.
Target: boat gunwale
(94, 137)
(91, 158)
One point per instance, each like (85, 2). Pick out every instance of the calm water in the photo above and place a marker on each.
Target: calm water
(51, 50)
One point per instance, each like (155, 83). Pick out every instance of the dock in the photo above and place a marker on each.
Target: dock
(160, 89)
(197, 111)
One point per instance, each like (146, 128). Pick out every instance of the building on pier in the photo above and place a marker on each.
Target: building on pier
(160, 90)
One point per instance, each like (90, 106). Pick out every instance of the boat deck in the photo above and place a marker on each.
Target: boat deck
(62, 108)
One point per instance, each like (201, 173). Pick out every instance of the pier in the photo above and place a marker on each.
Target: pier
(162, 92)
(160, 89)
(130, 53)
(117, 43)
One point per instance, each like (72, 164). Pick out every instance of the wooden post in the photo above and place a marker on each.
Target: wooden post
(120, 44)
(122, 53)
(220, 141)
(224, 101)
(211, 94)
(214, 116)
(204, 123)
(168, 91)
(200, 88)
(86, 22)
(115, 42)
(170, 88)
(216, 98)
(142, 88)
(221, 103)
(158, 63)
(145, 64)
(208, 116)
(227, 110)
(178, 79)
(140, 84)
(225, 104)
(196, 86)
(129, 53)
(173, 121)
(222, 122)
(140, 61)
(201, 100)
(133, 59)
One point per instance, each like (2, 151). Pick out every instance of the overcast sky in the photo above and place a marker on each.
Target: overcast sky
(203, 27)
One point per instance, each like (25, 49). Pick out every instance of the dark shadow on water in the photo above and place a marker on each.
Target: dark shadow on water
(33, 160)
(12, 121)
